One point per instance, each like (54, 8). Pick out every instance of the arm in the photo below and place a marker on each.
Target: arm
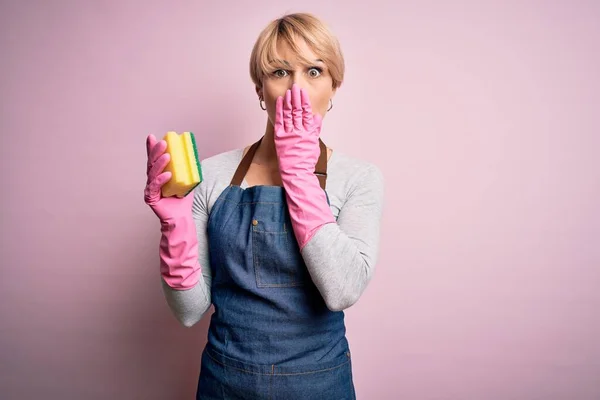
(341, 256)
(189, 305)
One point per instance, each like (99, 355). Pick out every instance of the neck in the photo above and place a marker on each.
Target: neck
(266, 153)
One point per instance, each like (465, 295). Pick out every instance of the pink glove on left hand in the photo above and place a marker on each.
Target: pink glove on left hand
(296, 131)
(178, 249)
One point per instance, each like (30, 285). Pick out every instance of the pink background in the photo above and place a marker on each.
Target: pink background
(483, 116)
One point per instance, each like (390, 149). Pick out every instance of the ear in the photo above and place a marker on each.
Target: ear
(259, 92)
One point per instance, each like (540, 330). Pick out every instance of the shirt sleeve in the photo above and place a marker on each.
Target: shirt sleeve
(189, 306)
(341, 256)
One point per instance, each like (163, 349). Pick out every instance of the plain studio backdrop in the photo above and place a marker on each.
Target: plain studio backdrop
(482, 115)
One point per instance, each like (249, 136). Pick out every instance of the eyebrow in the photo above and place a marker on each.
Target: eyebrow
(286, 62)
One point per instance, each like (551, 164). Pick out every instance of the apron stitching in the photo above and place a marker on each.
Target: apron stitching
(278, 374)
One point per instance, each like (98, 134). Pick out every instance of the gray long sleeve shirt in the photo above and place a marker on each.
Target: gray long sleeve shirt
(340, 257)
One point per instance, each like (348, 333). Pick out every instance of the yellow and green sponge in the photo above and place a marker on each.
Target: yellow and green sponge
(184, 165)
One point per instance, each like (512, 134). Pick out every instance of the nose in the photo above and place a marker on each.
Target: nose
(297, 79)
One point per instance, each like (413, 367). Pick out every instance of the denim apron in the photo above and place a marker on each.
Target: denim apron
(271, 335)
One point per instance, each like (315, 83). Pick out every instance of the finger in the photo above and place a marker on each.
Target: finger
(155, 152)
(159, 166)
(152, 193)
(296, 106)
(307, 115)
(150, 142)
(288, 124)
(317, 123)
(278, 125)
(158, 150)
(161, 179)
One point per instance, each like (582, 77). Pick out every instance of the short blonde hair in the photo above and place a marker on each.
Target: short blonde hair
(264, 59)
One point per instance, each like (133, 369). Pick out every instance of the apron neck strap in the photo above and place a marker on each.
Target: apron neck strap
(242, 169)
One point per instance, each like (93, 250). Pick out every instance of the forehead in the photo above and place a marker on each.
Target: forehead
(287, 53)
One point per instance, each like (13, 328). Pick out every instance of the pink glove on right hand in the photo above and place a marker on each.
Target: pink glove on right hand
(178, 249)
(297, 131)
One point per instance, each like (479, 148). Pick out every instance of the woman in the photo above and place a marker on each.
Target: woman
(280, 237)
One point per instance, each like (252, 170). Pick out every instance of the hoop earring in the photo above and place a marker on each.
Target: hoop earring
(331, 105)
(260, 103)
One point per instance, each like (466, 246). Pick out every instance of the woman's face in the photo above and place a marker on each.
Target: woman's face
(314, 78)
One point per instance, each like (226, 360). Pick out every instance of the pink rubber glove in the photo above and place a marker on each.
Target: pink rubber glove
(178, 248)
(296, 131)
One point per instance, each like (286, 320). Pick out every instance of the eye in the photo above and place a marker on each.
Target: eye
(314, 72)
(280, 73)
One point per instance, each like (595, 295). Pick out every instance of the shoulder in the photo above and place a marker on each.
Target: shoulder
(217, 171)
(352, 172)
(353, 182)
(224, 161)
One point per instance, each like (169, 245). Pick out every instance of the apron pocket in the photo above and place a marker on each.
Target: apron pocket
(276, 256)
